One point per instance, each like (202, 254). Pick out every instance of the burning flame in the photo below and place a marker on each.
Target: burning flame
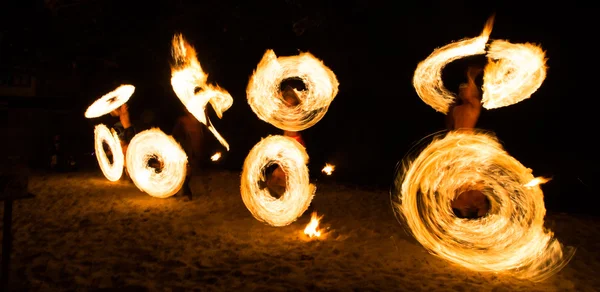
(427, 78)
(216, 156)
(511, 238)
(263, 90)
(537, 181)
(292, 158)
(187, 76)
(114, 171)
(514, 72)
(161, 183)
(328, 169)
(110, 101)
(312, 229)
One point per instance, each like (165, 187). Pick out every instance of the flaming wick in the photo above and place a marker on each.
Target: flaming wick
(216, 156)
(328, 169)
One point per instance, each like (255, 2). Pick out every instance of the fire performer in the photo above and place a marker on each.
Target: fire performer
(189, 132)
(123, 127)
(276, 181)
(463, 116)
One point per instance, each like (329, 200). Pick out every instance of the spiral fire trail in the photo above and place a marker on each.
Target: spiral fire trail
(167, 180)
(510, 238)
(263, 90)
(292, 158)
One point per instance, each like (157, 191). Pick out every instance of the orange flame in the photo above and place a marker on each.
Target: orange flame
(187, 76)
(312, 229)
(216, 156)
(328, 169)
(537, 181)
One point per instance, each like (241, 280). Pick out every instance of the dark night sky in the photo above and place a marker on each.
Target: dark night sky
(372, 46)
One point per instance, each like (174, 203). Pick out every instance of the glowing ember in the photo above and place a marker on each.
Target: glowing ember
(216, 156)
(292, 158)
(510, 238)
(110, 101)
(264, 94)
(167, 180)
(312, 229)
(328, 169)
(514, 72)
(102, 134)
(427, 78)
(187, 76)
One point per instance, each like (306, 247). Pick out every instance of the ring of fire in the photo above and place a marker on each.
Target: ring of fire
(112, 171)
(292, 158)
(511, 238)
(263, 90)
(110, 101)
(153, 143)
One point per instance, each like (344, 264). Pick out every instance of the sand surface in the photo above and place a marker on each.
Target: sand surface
(83, 232)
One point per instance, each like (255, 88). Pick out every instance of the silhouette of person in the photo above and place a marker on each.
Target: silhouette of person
(124, 128)
(276, 181)
(463, 116)
(189, 132)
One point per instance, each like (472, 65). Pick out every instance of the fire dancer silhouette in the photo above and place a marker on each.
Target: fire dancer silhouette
(463, 116)
(276, 180)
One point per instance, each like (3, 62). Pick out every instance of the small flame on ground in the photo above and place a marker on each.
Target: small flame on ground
(312, 229)
(328, 169)
(537, 181)
(216, 156)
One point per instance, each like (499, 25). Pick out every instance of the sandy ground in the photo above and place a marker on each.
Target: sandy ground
(83, 232)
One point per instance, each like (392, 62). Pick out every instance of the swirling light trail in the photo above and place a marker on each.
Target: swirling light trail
(112, 171)
(187, 76)
(263, 90)
(110, 101)
(427, 78)
(292, 158)
(510, 238)
(513, 73)
(153, 143)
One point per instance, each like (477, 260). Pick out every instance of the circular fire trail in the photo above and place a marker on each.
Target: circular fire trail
(510, 238)
(263, 90)
(513, 72)
(292, 158)
(103, 135)
(110, 101)
(154, 144)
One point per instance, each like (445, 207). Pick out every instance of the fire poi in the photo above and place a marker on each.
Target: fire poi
(263, 90)
(513, 72)
(187, 76)
(292, 158)
(510, 238)
(169, 177)
(263, 95)
(104, 105)
(110, 101)
(112, 171)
